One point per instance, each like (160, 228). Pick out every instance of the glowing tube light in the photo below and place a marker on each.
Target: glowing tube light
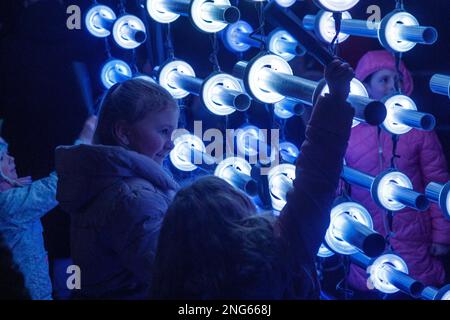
(351, 229)
(284, 45)
(440, 84)
(115, 71)
(336, 5)
(285, 3)
(189, 152)
(251, 141)
(440, 193)
(402, 116)
(389, 274)
(366, 110)
(236, 38)
(179, 79)
(428, 293)
(100, 20)
(281, 178)
(269, 79)
(398, 31)
(236, 171)
(323, 25)
(391, 189)
(223, 94)
(324, 252)
(207, 16)
(129, 32)
(431, 293)
(361, 260)
(288, 108)
(289, 152)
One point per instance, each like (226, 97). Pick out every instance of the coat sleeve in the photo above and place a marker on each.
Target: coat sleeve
(305, 218)
(134, 230)
(434, 169)
(25, 204)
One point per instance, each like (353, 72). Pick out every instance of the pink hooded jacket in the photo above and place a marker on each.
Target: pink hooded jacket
(422, 160)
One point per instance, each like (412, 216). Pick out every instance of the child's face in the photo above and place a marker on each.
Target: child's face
(151, 136)
(7, 166)
(382, 83)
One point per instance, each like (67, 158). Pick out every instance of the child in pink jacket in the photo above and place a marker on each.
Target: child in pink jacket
(420, 238)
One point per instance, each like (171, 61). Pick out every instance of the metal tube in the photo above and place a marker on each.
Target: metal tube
(361, 260)
(118, 77)
(255, 41)
(357, 177)
(282, 185)
(231, 98)
(359, 235)
(359, 28)
(368, 110)
(287, 20)
(433, 191)
(222, 13)
(241, 180)
(403, 281)
(440, 84)
(185, 82)
(408, 197)
(309, 21)
(103, 22)
(429, 293)
(414, 119)
(418, 34)
(289, 47)
(133, 34)
(177, 6)
(348, 26)
(293, 106)
(289, 85)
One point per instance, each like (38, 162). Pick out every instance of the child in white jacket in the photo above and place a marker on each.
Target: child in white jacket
(22, 204)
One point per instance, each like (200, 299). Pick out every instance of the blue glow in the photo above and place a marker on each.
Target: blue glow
(234, 33)
(115, 71)
(181, 155)
(334, 237)
(440, 84)
(99, 20)
(281, 178)
(380, 272)
(129, 32)
(336, 5)
(289, 152)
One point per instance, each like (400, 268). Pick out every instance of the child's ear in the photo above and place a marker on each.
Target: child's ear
(121, 132)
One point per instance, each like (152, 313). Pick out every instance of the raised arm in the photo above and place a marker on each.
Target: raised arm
(305, 217)
(31, 202)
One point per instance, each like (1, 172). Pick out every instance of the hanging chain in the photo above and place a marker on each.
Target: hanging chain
(213, 57)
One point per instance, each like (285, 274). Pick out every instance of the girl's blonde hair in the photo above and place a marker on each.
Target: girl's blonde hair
(129, 101)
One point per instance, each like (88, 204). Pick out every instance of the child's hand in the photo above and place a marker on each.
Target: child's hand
(87, 133)
(338, 75)
(24, 181)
